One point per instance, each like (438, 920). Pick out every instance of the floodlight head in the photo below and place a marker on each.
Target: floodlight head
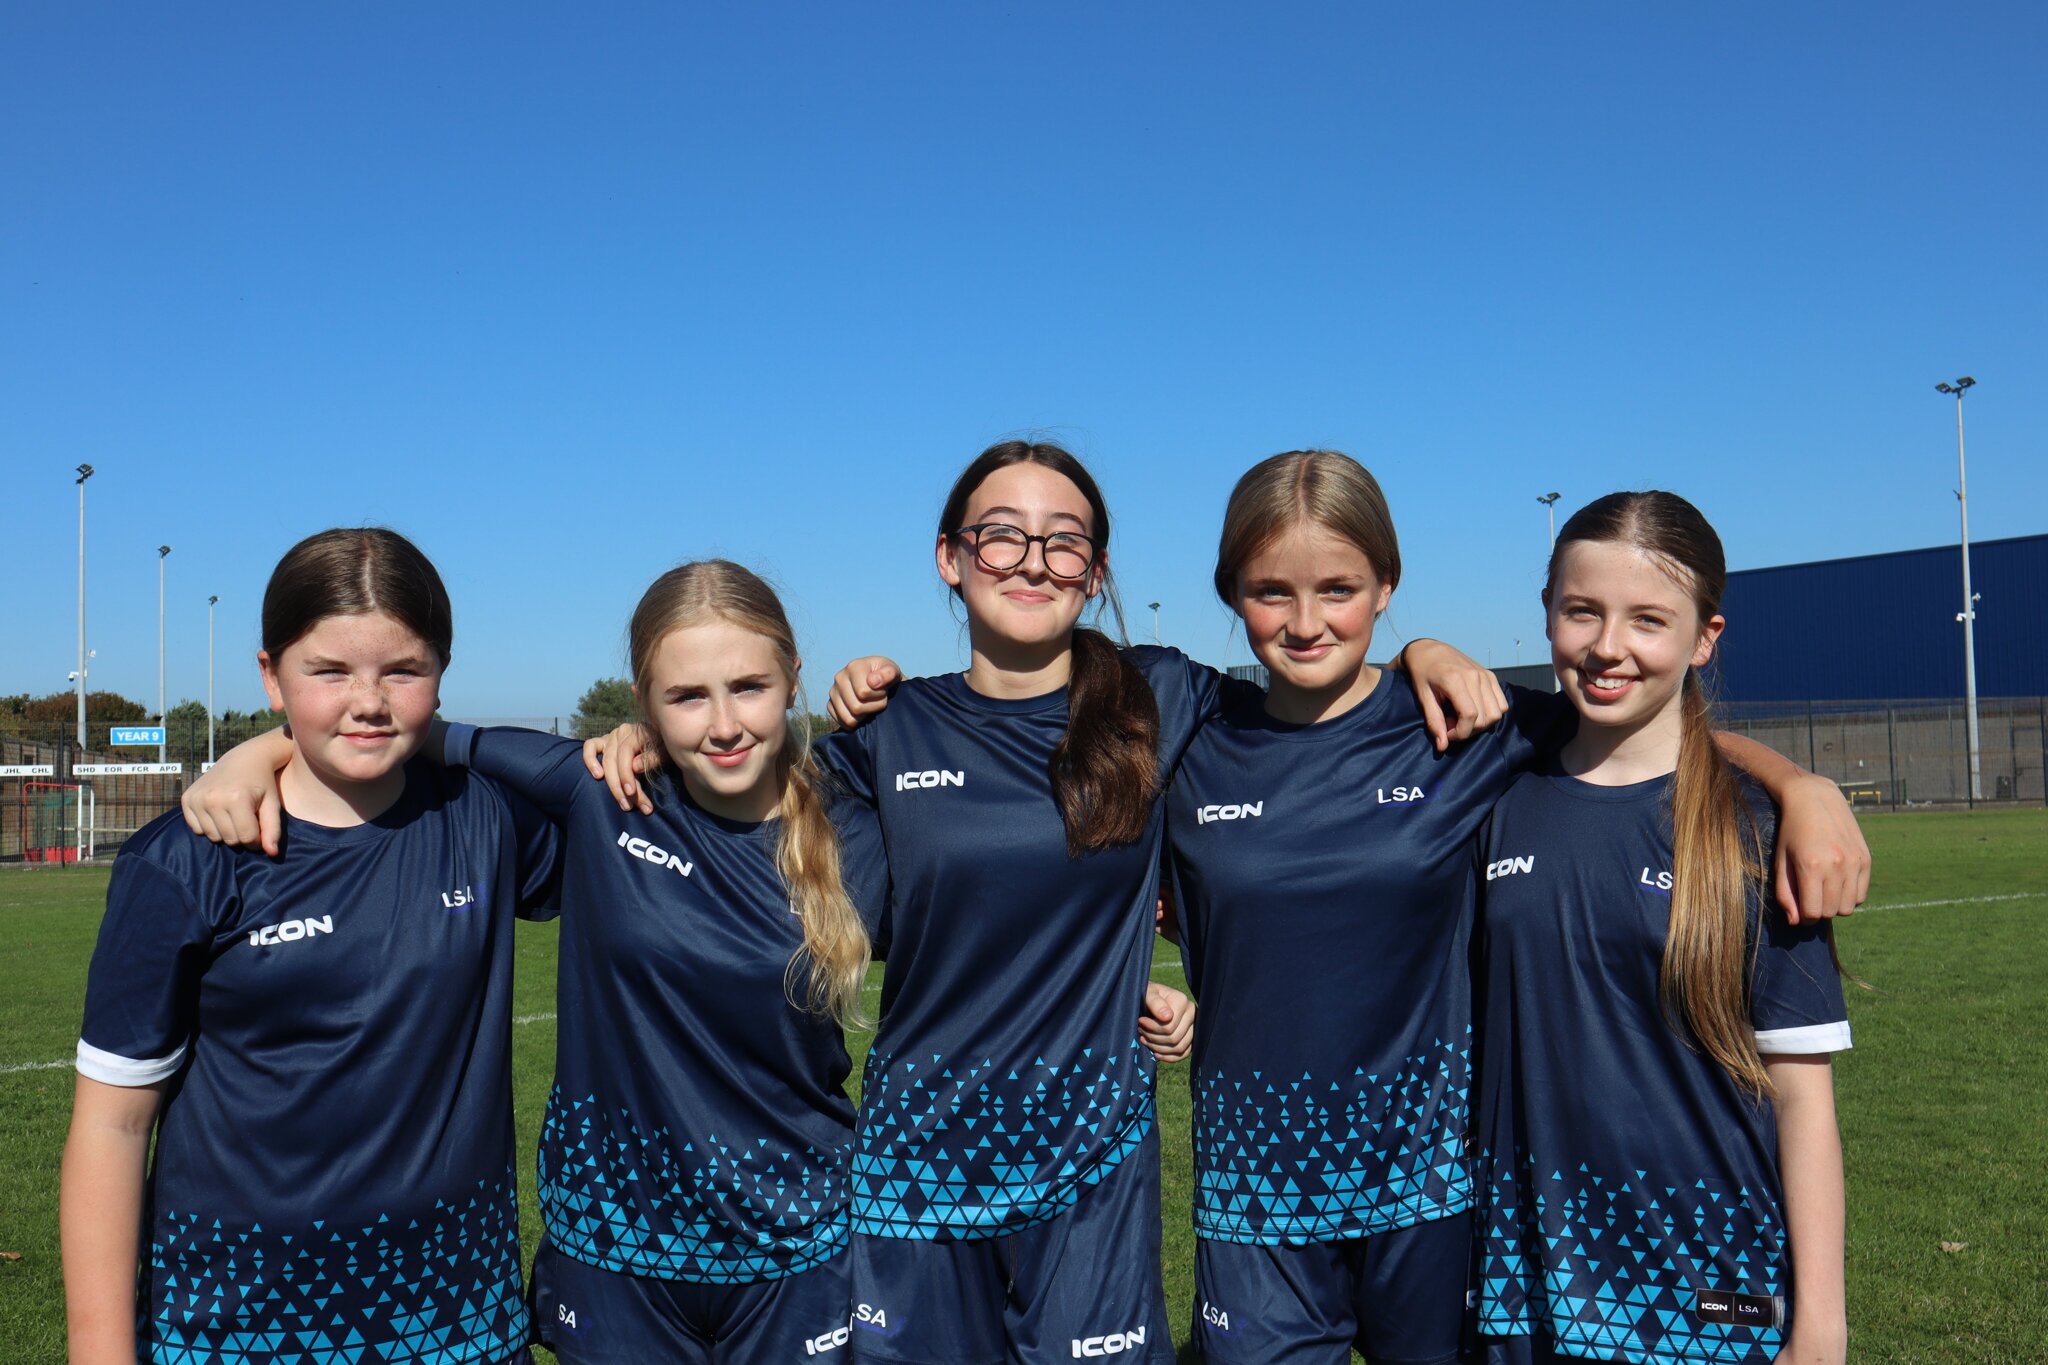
(1966, 383)
(212, 598)
(1153, 605)
(84, 472)
(162, 550)
(1548, 498)
(1946, 388)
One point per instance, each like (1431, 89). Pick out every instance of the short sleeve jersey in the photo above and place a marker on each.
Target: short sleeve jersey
(1631, 1203)
(333, 1168)
(1006, 1077)
(698, 1128)
(1323, 877)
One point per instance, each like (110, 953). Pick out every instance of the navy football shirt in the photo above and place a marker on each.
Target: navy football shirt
(1631, 1197)
(333, 1170)
(1323, 879)
(1006, 1077)
(699, 1127)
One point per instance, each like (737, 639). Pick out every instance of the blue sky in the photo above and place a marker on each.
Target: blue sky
(571, 295)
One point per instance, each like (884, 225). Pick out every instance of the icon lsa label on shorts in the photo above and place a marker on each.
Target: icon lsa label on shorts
(1739, 1310)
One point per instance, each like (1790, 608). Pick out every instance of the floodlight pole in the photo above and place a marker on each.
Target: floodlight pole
(163, 729)
(84, 473)
(1155, 622)
(211, 602)
(1968, 615)
(1549, 501)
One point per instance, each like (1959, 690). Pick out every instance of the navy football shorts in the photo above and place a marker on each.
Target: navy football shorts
(1396, 1297)
(1082, 1286)
(589, 1316)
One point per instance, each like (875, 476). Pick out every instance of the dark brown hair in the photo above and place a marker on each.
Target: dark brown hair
(1325, 488)
(1716, 848)
(349, 571)
(1105, 769)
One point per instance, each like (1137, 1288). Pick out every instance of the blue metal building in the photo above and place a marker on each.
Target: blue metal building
(1883, 627)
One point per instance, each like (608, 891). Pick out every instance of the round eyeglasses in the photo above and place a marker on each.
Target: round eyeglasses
(1000, 547)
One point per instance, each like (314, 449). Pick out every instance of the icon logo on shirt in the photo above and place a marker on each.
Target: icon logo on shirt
(1243, 811)
(828, 1341)
(1656, 883)
(931, 777)
(653, 853)
(290, 931)
(463, 899)
(1508, 867)
(1399, 796)
(1114, 1344)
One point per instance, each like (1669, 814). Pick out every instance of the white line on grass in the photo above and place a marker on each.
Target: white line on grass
(1957, 900)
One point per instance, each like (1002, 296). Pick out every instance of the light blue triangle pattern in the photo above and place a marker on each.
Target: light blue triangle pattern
(438, 1286)
(644, 1200)
(1299, 1158)
(977, 1149)
(1608, 1264)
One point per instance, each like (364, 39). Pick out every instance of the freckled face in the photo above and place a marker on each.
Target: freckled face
(360, 692)
(1309, 600)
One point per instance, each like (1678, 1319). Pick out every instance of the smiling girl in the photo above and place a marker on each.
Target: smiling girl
(693, 1158)
(1662, 1178)
(1006, 1181)
(1320, 841)
(319, 1042)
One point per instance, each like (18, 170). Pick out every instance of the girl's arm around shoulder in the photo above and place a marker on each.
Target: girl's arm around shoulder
(545, 769)
(100, 1214)
(238, 802)
(1820, 865)
(1810, 1172)
(1446, 679)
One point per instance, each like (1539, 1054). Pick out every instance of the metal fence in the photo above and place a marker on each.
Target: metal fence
(1909, 754)
(1889, 755)
(55, 808)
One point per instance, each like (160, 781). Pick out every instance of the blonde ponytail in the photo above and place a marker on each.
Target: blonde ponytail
(827, 972)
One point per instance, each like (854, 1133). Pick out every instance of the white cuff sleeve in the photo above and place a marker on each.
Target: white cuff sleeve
(110, 1068)
(1804, 1040)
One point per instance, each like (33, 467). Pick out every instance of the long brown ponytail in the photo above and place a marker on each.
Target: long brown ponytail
(1716, 849)
(827, 972)
(1105, 769)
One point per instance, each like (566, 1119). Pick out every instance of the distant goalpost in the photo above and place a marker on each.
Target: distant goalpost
(44, 830)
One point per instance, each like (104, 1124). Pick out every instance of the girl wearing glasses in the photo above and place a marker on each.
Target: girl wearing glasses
(1321, 843)
(1006, 1179)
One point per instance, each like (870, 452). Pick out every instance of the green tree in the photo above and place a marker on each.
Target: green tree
(607, 704)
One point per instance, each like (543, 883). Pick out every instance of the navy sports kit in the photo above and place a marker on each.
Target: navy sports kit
(333, 1177)
(1007, 1087)
(1324, 883)
(1631, 1203)
(693, 1159)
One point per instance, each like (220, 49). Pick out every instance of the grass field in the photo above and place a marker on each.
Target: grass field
(1944, 1102)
